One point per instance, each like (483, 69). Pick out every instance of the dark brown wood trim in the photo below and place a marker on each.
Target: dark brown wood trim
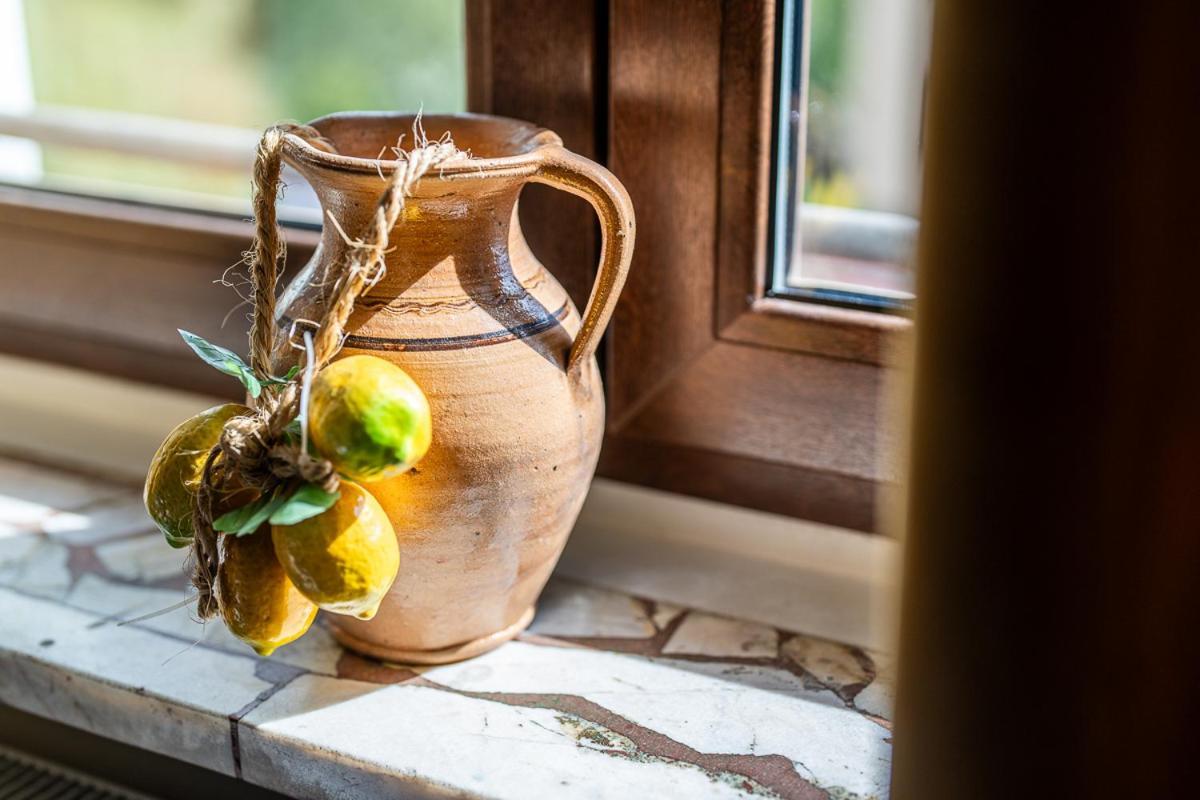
(536, 60)
(785, 400)
(665, 101)
(121, 358)
(745, 311)
(479, 56)
(768, 486)
(746, 116)
(864, 336)
(101, 284)
(184, 231)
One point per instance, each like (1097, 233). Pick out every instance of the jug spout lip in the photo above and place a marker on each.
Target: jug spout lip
(496, 144)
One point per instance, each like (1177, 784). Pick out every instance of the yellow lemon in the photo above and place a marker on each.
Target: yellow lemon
(174, 472)
(369, 418)
(345, 558)
(259, 604)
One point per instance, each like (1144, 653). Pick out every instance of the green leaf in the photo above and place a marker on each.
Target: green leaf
(287, 377)
(251, 383)
(308, 501)
(248, 518)
(223, 360)
(232, 521)
(177, 542)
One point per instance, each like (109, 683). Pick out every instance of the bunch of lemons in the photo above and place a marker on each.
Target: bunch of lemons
(285, 556)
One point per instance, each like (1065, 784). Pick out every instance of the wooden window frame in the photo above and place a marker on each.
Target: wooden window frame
(715, 388)
(102, 284)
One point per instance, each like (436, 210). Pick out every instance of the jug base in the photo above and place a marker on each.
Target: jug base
(445, 655)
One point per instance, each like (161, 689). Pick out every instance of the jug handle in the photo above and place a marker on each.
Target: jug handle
(584, 178)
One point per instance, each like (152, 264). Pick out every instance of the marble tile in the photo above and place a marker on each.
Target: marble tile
(35, 565)
(879, 698)
(823, 603)
(428, 742)
(316, 651)
(121, 682)
(110, 519)
(531, 719)
(835, 665)
(115, 603)
(143, 559)
(709, 707)
(567, 608)
(710, 635)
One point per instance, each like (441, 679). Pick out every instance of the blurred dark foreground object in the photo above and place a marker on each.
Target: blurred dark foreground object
(1052, 577)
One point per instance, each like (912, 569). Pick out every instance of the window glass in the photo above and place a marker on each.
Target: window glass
(851, 80)
(84, 80)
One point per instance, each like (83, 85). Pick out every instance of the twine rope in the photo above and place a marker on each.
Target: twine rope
(254, 451)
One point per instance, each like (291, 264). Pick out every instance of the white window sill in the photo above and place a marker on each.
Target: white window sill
(683, 648)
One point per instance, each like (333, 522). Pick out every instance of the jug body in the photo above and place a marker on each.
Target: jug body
(471, 314)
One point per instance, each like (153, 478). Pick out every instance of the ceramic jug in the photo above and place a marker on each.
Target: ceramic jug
(505, 358)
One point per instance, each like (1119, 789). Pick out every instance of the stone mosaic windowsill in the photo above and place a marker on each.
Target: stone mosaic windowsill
(606, 695)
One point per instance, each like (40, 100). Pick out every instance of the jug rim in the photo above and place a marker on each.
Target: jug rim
(526, 139)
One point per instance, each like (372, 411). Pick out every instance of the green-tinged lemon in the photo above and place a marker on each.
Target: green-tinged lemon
(259, 604)
(174, 473)
(369, 418)
(345, 558)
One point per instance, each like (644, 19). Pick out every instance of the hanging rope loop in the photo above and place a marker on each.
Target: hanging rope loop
(255, 451)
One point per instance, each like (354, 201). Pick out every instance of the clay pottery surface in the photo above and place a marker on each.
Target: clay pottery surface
(499, 349)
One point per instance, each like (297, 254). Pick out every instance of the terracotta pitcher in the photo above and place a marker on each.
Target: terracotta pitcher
(499, 349)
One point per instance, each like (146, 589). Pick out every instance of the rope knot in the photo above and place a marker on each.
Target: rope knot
(243, 445)
(289, 461)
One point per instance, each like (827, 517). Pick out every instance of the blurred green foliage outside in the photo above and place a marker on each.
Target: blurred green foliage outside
(825, 179)
(246, 63)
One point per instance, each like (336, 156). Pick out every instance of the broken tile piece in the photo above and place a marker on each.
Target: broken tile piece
(316, 651)
(115, 603)
(835, 665)
(143, 559)
(567, 608)
(33, 564)
(709, 635)
(879, 698)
